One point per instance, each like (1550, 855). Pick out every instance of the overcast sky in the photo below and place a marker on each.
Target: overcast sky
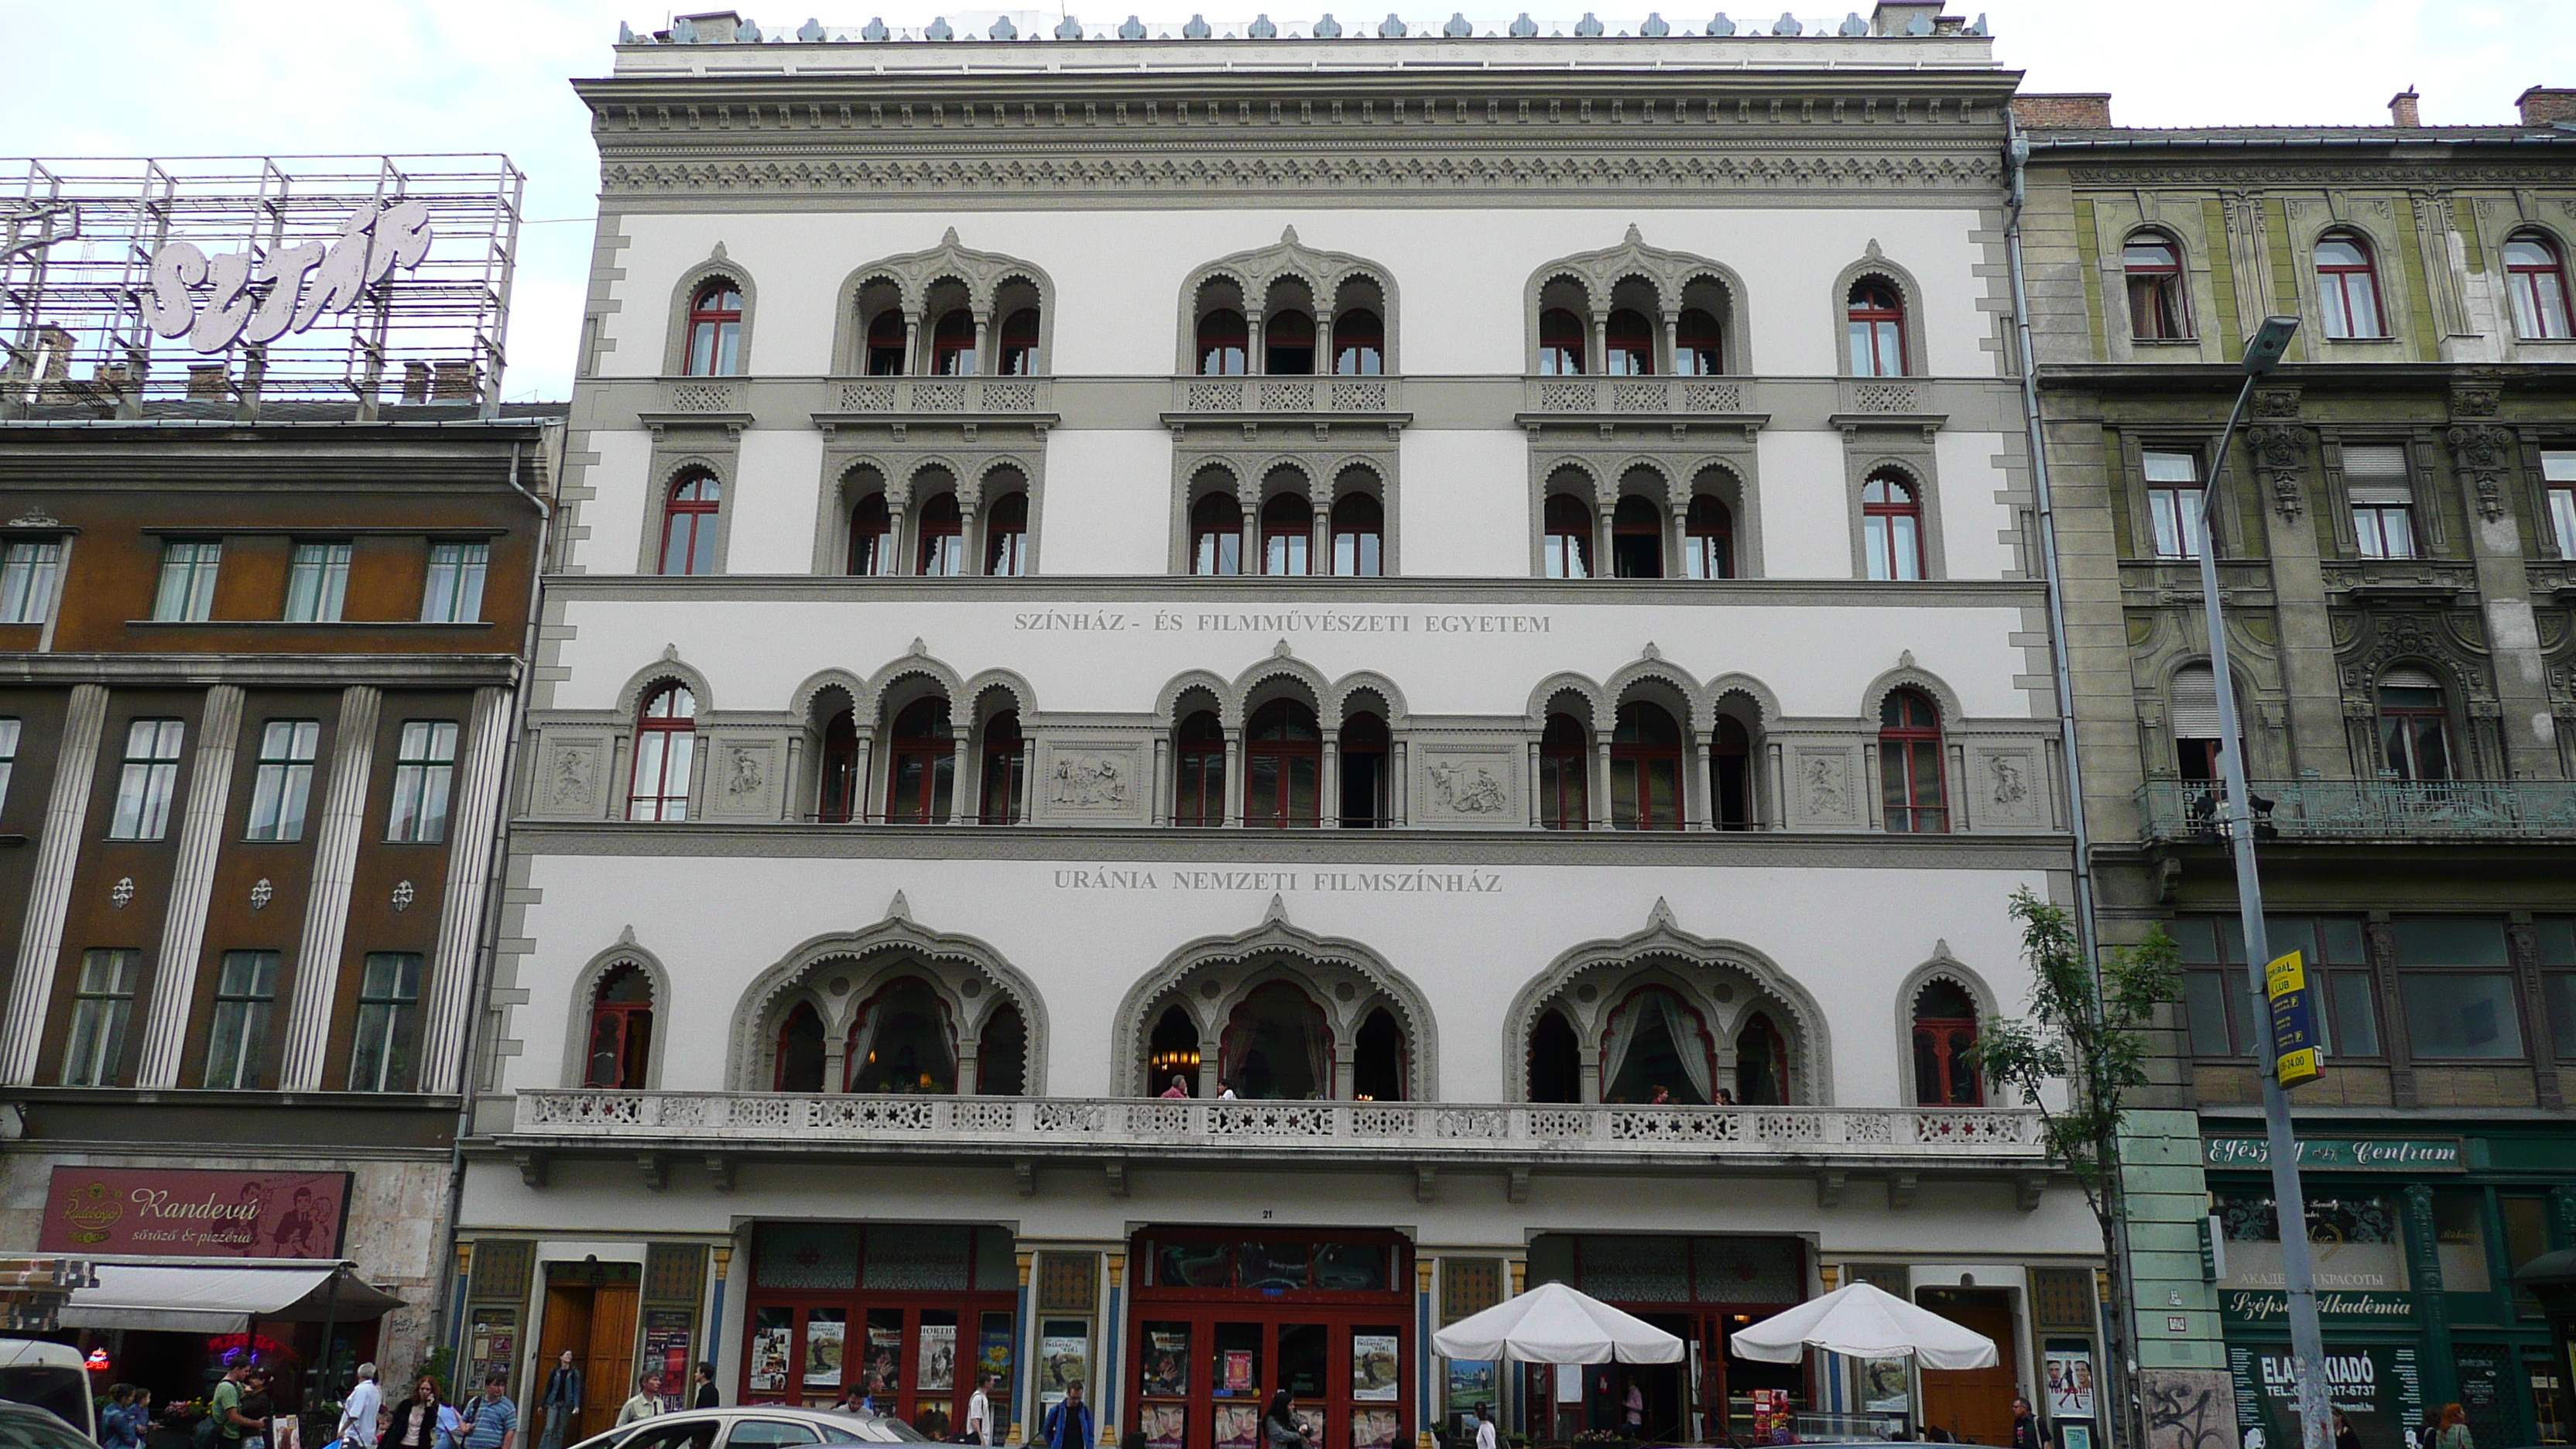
(212, 78)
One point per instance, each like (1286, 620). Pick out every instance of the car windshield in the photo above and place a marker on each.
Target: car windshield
(39, 1431)
(56, 1387)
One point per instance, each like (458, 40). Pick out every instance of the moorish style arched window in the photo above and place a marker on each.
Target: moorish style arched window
(871, 534)
(921, 773)
(1637, 539)
(888, 339)
(1002, 1058)
(1004, 783)
(1645, 769)
(689, 524)
(839, 799)
(1945, 1027)
(1730, 768)
(2153, 266)
(901, 1041)
(1359, 343)
(1875, 318)
(952, 344)
(1216, 535)
(1364, 753)
(2536, 277)
(1564, 772)
(1283, 766)
(1288, 344)
(1225, 342)
(799, 1051)
(1657, 1048)
(1708, 539)
(1567, 550)
(2348, 287)
(1909, 764)
(1891, 528)
(1359, 537)
(665, 749)
(1628, 343)
(941, 553)
(1761, 1063)
(1560, 343)
(1198, 786)
(1019, 344)
(1555, 1060)
(1287, 533)
(1699, 344)
(715, 332)
(621, 1030)
(1278, 1046)
(1006, 536)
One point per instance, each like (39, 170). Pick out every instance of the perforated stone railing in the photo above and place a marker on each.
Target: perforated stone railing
(702, 395)
(773, 1120)
(1719, 396)
(1286, 395)
(1004, 395)
(1881, 395)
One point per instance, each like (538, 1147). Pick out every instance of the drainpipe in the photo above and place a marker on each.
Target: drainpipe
(2121, 1335)
(495, 883)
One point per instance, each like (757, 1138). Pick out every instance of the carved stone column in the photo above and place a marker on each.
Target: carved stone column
(1600, 811)
(1588, 1072)
(959, 812)
(1328, 785)
(1247, 499)
(1254, 365)
(2484, 457)
(326, 911)
(49, 894)
(983, 339)
(1700, 807)
(2424, 1276)
(969, 1066)
(1233, 777)
(1672, 363)
(1600, 358)
(915, 361)
(1345, 1071)
(192, 884)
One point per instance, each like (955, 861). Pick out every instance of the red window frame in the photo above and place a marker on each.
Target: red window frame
(621, 1032)
(689, 525)
(1708, 539)
(2539, 287)
(1287, 536)
(871, 537)
(665, 744)
(1699, 344)
(1656, 809)
(1910, 765)
(715, 331)
(1216, 536)
(1198, 770)
(2405, 729)
(1560, 343)
(2341, 283)
(1006, 536)
(1019, 344)
(952, 344)
(1284, 335)
(1565, 775)
(1730, 761)
(1567, 551)
(922, 745)
(1225, 344)
(1002, 788)
(1364, 736)
(1634, 521)
(1875, 319)
(1359, 536)
(889, 338)
(1272, 748)
(940, 551)
(1941, 1079)
(838, 800)
(802, 1011)
(1892, 528)
(1628, 343)
(2153, 265)
(1359, 343)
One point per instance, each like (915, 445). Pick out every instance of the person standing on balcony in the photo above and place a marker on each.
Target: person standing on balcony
(1180, 1086)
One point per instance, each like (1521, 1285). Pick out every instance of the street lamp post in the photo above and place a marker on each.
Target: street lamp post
(2289, 1205)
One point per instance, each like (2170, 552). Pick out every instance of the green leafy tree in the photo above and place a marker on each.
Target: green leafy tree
(2088, 1031)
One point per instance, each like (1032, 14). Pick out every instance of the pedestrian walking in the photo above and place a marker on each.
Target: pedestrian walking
(979, 1412)
(1068, 1424)
(2029, 1431)
(492, 1421)
(706, 1396)
(646, 1403)
(415, 1422)
(2454, 1433)
(358, 1412)
(1485, 1437)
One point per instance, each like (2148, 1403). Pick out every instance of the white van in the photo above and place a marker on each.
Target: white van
(51, 1376)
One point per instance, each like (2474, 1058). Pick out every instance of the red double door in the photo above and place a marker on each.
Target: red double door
(1203, 1373)
(916, 1355)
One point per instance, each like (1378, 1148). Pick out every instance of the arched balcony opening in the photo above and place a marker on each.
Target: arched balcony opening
(1006, 527)
(1359, 341)
(837, 800)
(1359, 532)
(621, 1030)
(1637, 538)
(1377, 1066)
(1365, 745)
(1198, 787)
(953, 350)
(1002, 783)
(1761, 1063)
(1278, 1046)
(1566, 550)
(1224, 336)
(921, 771)
(1283, 766)
(1016, 339)
(940, 552)
(1564, 774)
(1656, 1049)
(1002, 1057)
(1288, 343)
(1216, 528)
(1708, 539)
(901, 1041)
(888, 340)
(1555, 1060)
(1628, 343)
(1172, 1054)
(1945, 1029)
(871, 552)
(1564, 328)
(1645, 769)
(1287, 527)
(799, 1051)
(1730, 767)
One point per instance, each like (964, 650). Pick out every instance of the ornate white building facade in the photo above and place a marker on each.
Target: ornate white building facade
(1476, 595)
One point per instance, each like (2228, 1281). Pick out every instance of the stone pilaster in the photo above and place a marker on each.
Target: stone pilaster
(192, 886)
(2484, 458)
(473, 818)
(326, 910)
(49, 894)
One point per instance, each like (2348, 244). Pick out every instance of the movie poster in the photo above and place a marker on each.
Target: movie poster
(770, 1340)
(823, 1345)
(1238, 1374)
(1310, 1422)
(1375, 1377)
(936, 1362)
(1238, 1426)
(1886, 1386)
(1166, 1425)
(885, 1357)
(993, 1356)
(1471, 1382)
(1167, 1363)
(2070, 1384)
(1064, 1357)
(1372, 1429)
(666, 1352)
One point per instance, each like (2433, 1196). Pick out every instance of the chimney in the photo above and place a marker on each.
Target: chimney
(2404, 110)
(2071, 110)
(453, 381)
(2547, 105)
(415, 382)
(208, 382)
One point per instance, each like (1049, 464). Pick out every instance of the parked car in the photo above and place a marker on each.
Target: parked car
(51, 1376)
(25, 1426)
(753, 1426)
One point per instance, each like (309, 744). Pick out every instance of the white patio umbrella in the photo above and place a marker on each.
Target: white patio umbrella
(1552, 1323)
(1865, 1322)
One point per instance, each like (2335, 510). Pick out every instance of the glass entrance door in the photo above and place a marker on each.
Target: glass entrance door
(1205, 1376)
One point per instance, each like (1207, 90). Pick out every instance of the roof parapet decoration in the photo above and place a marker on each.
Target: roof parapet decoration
(729, 28)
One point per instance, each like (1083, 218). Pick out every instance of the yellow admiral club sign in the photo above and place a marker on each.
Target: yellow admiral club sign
(2294, 1020)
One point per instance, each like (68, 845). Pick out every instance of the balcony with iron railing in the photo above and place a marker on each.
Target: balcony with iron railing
(2364, 811)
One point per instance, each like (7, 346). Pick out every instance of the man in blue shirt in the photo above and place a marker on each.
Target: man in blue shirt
(492, 1421)
(1068, 1424)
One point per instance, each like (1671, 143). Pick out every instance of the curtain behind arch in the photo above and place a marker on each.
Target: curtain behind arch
(1681, 1027)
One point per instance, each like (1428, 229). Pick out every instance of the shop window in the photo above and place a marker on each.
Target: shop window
(1699, 347)
(1560, 343)
(837, 802)
(1359, 537)
(2173, 504)
(715, 332)
(1377, 1071)
(1761, 1063)
(29, 568)
(1288, 344)
(380, 1055)
(1216, 536)
(689, 524)
(1730, 766)
(282, 783)
(871, 537)
(1555, 1060)
(1891, 528)
(1629, 343)
(1909, 764)
(887, 342)
(901, 1043)
(1225, 340)
(237, 1038)
(1637, 539)
(1566, 552)
(1945, 1031)
(1645, 769)
(2526, 1236)
(621, 1030)
(665, 752)
(2153, 266)
(1002, 1058)
(1198, 789)
(1708, 539)
(1277, 1047)
(952, 344)
(1006, 537)
(1564, 770)
(2348, 287)
(1875, 322)
(1172, 1055)
(1004, 780)
(1019, 356)
(1287, 531)
(424, 774)
(102, 1009)
(186, 593)
(921, 773)
(317, 583)
(1359, 343)
(2460, 1242)
(2414, 726)
(1365, 746)
(2355, 1239)
(1656, 1049)
(149, 777)
(799, 1051)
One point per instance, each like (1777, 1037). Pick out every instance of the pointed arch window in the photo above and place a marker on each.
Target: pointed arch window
(1909, 765)
(1875, 320)
(1287, 533)
(1216, 535)
(1656, 1044)
(621, 1030)
(1005, 778)
(1278, 1046)
(1225, 341)
(839, 800)
(952, 344)
(901, 1042)
(2348, 287)
(1645, 769)
(1637, 538)
(1564, 773)
(888, 340)
(941, 552)
(1172, 1054)
(1629, 342)
(689, 524)
(2536, 277)
(1006, 536)
(1359, 537)
(1198, 793)
(1891, 528)
(1019, 344)
(715, 331)
(1730, 767)
(1555, 1060)
(1288, 344)
(1761, 1063)
(1359, 343)
(1377, 1066)
(1708, 539)
(1567, 551)
(799, 1051)
(665, 750)
(1699, 347)
(1945, 1028)
(2152, 265)
(1560, 343)
(1283, 766)
(1002, 1056)
(2414, 727)
(921, 772)
(1364, 753)
(871, 537)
